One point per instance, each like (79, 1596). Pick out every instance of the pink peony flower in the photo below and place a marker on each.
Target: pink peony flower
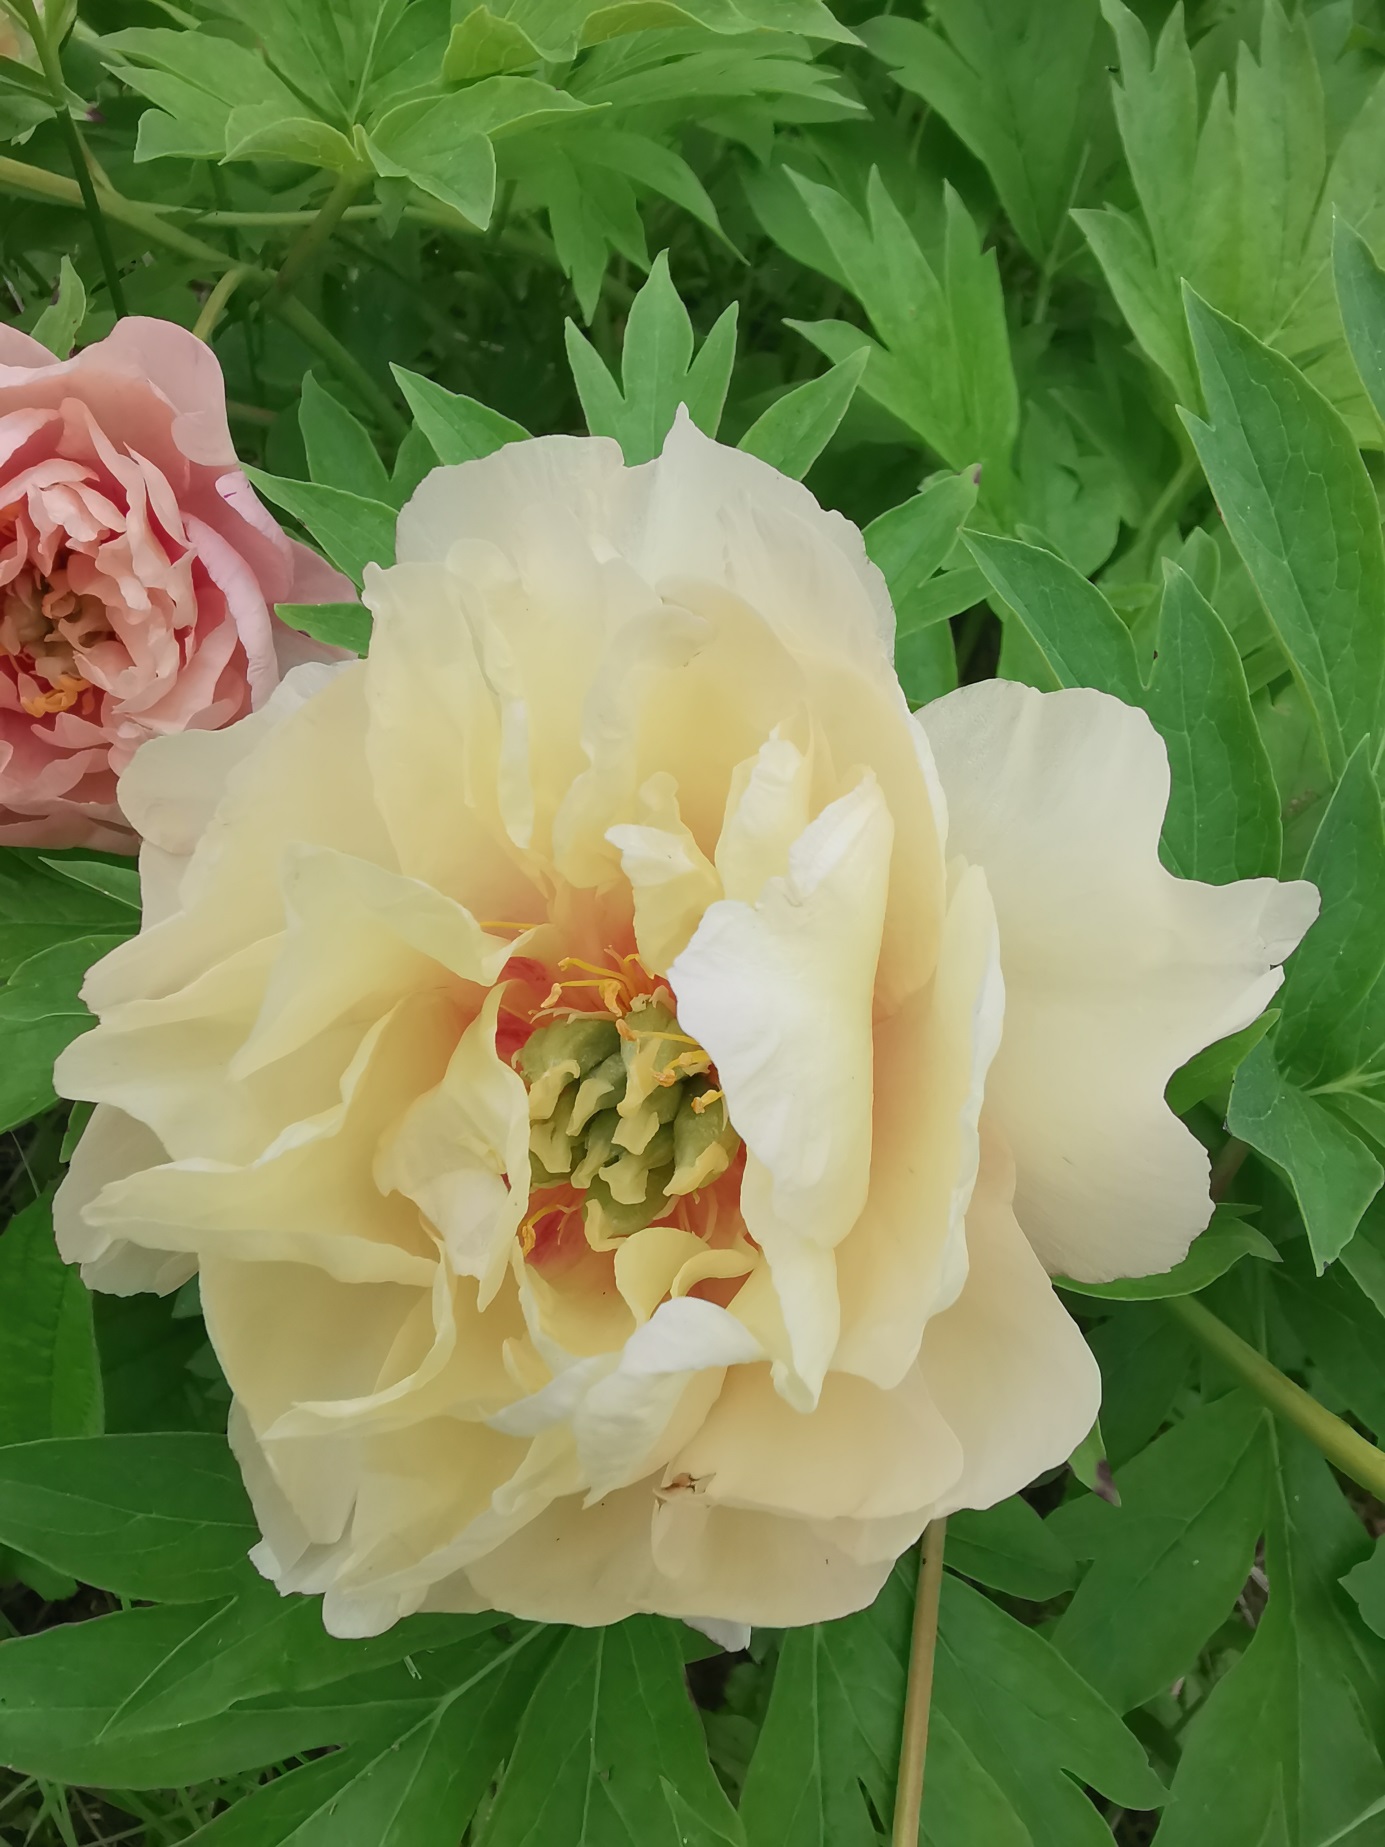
(138, 573)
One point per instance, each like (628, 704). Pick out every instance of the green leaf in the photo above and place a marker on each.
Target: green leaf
(340, 451)
(1286, 1752)
(196, 80)
(60, 323)
(1341, 958)
(262, 1643)
(796, 428)
(658, 371)
(1223, 815)
(911, 542)
(339, 625)
(1212, 1253)
(42, 904)
(1081, 637)
(1173, 1557)
(1010, 1548)
(1361, 297)
(263, 132)
(610, 1717)
(418, 1788)
(162, 1517)
(1366, 1584)
(459, 429)
(1009, 1718)
(1303, 514)
(353, 531)
(1211, 1070)
(991, 71)
(40, 1014)
(50, 1374)
(943, 365)
(61, 1688)
(1331, 1172)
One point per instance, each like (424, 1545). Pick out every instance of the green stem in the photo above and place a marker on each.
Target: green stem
(51, 60)
(1344, 1447)
(1168, 503)
(312, 332)
(39, 183)
(918, 1698)
(317, 233)
(215, 305)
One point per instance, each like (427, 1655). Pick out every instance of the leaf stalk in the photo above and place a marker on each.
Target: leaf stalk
(1344, 1447)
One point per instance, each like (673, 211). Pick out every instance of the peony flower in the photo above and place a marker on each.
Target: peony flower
(138, 573)
(624, 1083)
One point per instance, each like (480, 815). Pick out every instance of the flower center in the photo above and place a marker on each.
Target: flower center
(625, 1112)
(44, 626)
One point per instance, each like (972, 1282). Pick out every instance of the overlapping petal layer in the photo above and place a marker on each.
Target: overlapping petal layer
(617, 1134)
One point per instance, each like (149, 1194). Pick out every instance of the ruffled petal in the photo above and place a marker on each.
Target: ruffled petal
(1115, 971)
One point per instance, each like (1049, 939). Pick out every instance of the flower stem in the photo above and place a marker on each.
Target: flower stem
(918, 1699)
(215, 305)
(1344, 1447)
(51, 60)
(317, 232)
(39, 183)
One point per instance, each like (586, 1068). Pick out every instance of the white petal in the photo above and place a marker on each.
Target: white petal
(670, 876)
(766, 811)
(863, 1454)
(781, 996)
(461, 1151)
(1006, 1365)
(906, 1256)
(1115, 971)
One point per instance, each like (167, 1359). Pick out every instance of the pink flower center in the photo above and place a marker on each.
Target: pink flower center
(45, 627)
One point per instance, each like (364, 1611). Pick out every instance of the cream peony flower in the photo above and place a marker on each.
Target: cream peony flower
(623, 1082)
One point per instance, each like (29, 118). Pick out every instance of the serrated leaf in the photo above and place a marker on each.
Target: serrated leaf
(159, 1517)
(1175, 1555)
(1309, 1692)
(610, 1718)
(351, 530)
(339, 625)
(1081, 637)
(457, 427)
(50, 1373)
(797, 427)
(1331, 1172)
(1303, 514)
(1223, 819)
(339, 449)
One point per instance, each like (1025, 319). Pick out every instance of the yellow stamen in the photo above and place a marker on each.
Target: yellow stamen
(700, 1105)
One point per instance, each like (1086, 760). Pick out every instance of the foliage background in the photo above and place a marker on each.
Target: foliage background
(1074, 307)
